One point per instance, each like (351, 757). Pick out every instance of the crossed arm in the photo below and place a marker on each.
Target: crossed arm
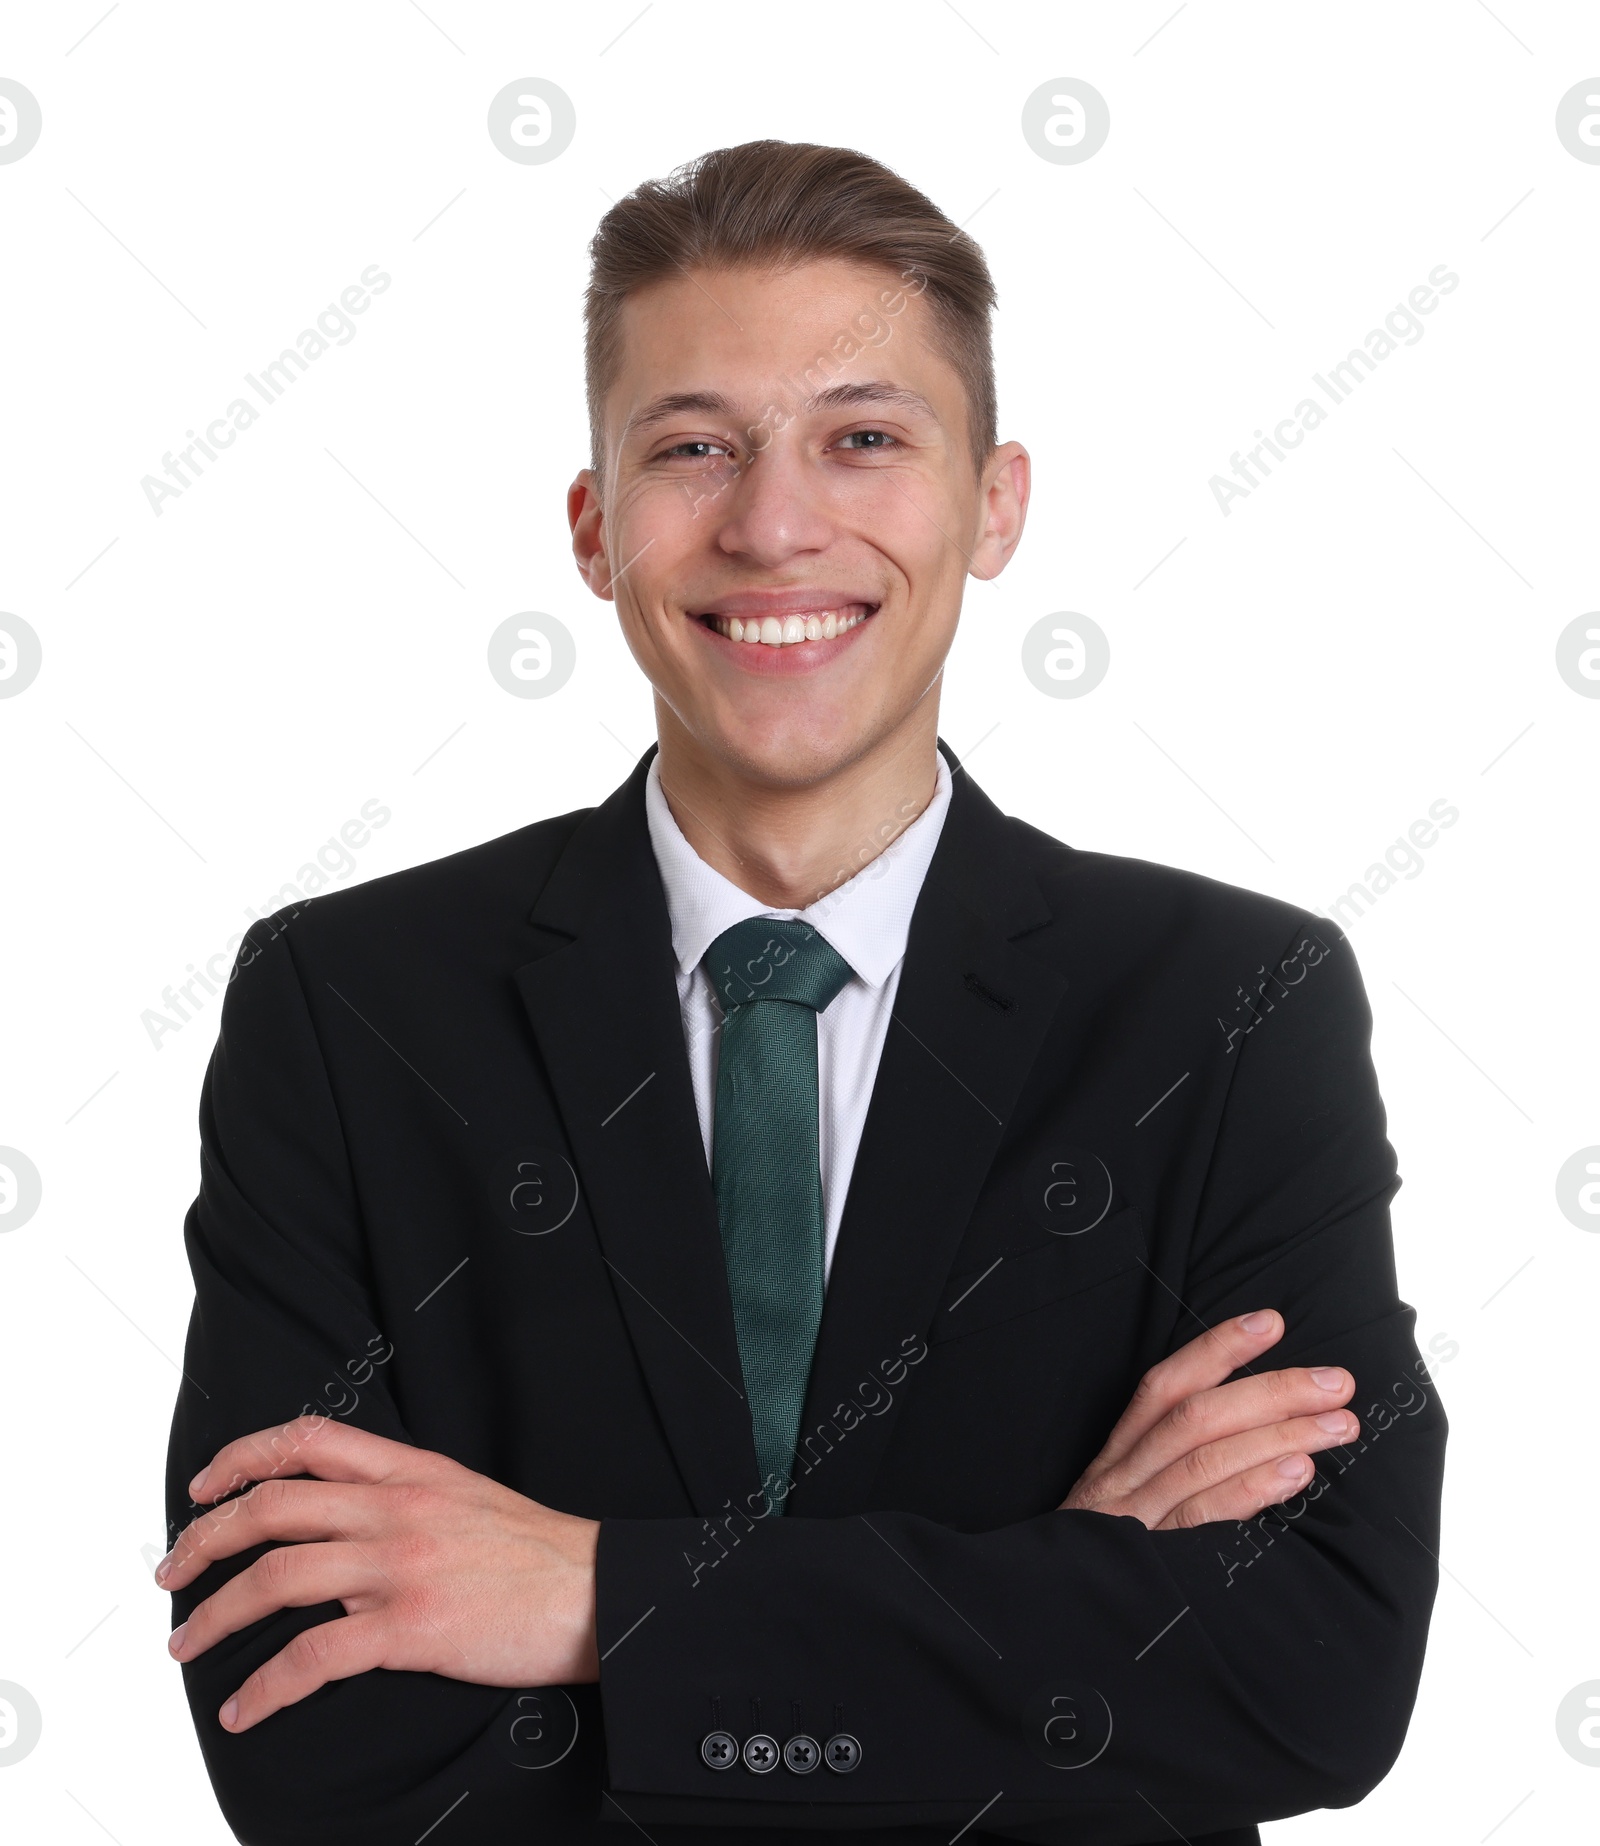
(443, 1570)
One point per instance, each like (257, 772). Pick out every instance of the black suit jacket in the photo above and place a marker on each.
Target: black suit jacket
(453, 1188)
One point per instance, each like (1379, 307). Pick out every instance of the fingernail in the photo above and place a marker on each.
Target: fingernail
(1291, 1468)
(229, 1712)
(1335, 1422)
(164, 1568)
(175, 1640)
(197, 1483)
(1258, 1322)
(1329, 1378)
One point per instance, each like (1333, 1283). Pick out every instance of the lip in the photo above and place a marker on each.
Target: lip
(799, 657)
(797, 601)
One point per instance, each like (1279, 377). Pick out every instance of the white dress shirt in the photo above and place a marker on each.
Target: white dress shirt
(866, 919)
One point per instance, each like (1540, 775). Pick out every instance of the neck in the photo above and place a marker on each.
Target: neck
(790, 845)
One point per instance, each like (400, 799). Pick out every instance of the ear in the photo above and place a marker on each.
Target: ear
(1002, 510)
(587, 521)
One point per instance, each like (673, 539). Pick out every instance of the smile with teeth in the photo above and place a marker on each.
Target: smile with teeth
(787, 630)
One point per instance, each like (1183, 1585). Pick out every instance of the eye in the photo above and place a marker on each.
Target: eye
(872, 441)
(696, 448)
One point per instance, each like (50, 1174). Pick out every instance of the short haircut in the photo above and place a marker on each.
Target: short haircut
(776, 204)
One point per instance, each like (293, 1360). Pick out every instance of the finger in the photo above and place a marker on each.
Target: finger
(292, 1510)
(1209, 1467)
(1244, 1496)
(1257, 1403)
(1203, 1363)
(322, 1446)
(331, 1650)
(287, 1577)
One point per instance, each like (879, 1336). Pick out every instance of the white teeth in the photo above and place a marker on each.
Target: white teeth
(787, 630)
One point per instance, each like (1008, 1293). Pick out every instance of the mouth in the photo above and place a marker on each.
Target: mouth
(790, 628)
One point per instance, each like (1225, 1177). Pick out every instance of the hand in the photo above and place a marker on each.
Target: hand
(440, 1570)
(1190, 1449)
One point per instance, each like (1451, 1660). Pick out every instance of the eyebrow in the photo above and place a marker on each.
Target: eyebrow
(835, 397)
(872, 391)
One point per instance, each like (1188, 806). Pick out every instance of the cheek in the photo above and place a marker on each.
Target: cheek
(889, 496)
(905, 516)
(919, 534)
(652, 540)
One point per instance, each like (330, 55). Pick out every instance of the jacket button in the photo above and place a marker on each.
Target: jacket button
(760, 1753)
(842, 1752)
(801, 1754)
(719, 1750)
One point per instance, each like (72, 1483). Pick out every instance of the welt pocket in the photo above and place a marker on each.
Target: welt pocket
(1055, 1267)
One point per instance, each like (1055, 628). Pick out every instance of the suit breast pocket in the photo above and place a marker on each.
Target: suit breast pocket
(1049, 1270)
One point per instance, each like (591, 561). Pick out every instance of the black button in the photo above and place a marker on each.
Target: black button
(802, 1753)
(842, 1752)
(719, 1749)
(760, 1753)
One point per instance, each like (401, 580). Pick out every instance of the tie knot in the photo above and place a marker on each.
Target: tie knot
(771, 958)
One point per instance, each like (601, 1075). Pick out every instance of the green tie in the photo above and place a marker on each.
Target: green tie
(771, 978)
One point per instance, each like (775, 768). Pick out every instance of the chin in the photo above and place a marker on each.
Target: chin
(788, 755)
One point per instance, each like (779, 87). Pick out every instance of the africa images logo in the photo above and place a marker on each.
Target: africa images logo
(1401, 326)
(333, 324)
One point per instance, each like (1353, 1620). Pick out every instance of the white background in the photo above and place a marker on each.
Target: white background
(1371, 631)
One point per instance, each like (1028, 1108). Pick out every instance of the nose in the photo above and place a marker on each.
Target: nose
(774, 510)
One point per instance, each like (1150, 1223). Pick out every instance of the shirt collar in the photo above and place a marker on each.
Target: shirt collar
(867, 919)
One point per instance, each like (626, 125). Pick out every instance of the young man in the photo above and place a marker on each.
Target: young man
(741, 1310)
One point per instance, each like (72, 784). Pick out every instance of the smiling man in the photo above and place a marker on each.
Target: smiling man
(741, 1311)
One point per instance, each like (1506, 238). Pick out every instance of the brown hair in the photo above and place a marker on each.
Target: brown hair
(781, 203)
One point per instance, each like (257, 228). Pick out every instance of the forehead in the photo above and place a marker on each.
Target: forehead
(741, 331)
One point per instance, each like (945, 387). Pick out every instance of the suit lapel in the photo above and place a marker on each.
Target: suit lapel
(970, 1015)
(604, 1008)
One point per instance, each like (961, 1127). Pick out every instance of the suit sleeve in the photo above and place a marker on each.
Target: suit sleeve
(1076, 1668)
(284, 1321)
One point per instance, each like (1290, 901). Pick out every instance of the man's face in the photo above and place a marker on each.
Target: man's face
(790, 510)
